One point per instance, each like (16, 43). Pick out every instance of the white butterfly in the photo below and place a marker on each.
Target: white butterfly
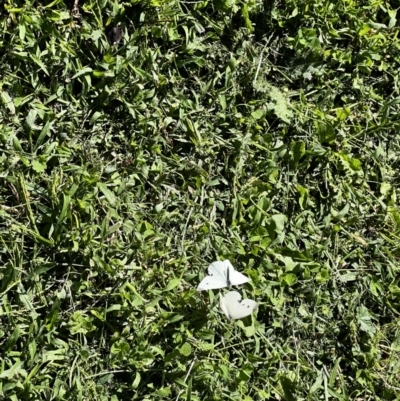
(234, 308)
(221, 274)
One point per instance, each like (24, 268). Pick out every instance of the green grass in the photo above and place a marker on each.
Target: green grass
(264, 133)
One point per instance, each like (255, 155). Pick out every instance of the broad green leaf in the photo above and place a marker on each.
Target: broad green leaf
(38, 166)
(185, 349)
(172, 284)
(290, 279)
(303, 200)
(30, 119)
(8, 101)
(280, 221)
(107, 193)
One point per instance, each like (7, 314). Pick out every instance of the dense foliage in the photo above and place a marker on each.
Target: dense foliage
(141, 140)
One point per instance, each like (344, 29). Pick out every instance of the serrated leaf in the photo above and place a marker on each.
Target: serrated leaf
(38, 166)
(350, 162)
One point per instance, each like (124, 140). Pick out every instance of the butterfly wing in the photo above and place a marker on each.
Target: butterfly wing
(228, 302)
(219, 269)
(235, 278)
(211, 283)
(235, 308)
(218, 277)
(245, 308)
(221, 274)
